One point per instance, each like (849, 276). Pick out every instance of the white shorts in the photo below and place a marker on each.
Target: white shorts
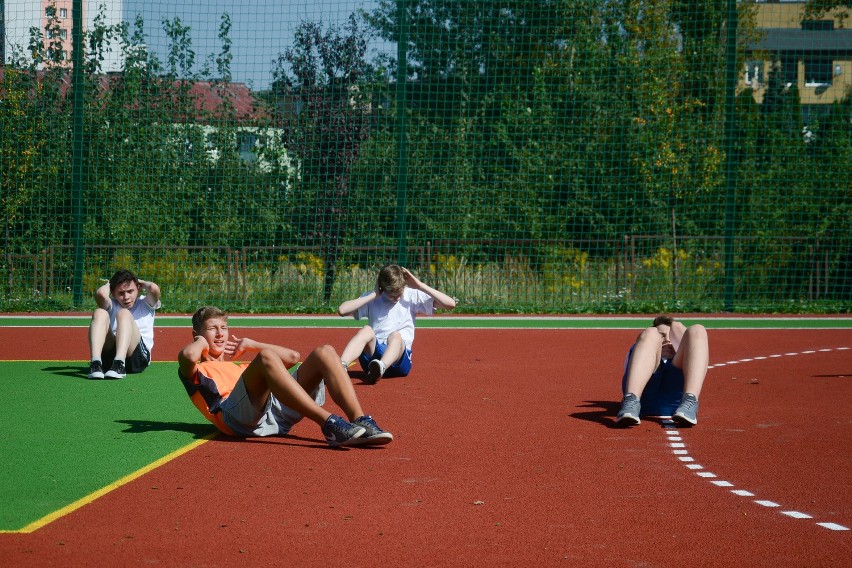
(275, 419)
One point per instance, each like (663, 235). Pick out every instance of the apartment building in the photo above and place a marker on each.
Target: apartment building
(814, 54)
(20, 16)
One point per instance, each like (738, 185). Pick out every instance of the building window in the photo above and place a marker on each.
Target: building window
(789, 70)
(63, 13)
(818, 70)
(63, 34)
(818, 25)
(754, 73)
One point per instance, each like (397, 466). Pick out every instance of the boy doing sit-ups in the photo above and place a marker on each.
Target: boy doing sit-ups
(263, 398)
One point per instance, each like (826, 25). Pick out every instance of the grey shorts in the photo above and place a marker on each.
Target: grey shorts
(275, 419)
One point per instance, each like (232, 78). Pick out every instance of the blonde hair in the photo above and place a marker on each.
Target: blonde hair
(390, 279)
(200, 317)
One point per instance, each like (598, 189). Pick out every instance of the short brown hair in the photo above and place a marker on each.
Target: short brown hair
(203, 314)
(390, 279)
(663, 320)
(121, 277)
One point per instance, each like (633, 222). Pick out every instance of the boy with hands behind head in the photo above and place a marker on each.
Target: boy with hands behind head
(383, 347)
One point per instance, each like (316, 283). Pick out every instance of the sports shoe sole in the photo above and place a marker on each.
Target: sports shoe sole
(683, 420)
(350, 442)
(377, 440)
(96, 376)
(113, 376)
(628, 420)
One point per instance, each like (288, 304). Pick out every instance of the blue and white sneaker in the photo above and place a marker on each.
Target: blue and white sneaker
(374, 436)
(340, 432)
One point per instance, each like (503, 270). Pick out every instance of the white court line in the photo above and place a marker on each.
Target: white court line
(796, 515)
(674, 434)
(833, 526)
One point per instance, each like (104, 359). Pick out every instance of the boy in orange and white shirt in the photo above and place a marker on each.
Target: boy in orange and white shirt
(261, 397)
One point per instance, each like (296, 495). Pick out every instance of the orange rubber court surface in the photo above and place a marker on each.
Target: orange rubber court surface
(505, 454)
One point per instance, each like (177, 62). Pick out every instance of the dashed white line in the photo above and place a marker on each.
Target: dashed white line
(797, 515)
(675, 441)
(833, 526)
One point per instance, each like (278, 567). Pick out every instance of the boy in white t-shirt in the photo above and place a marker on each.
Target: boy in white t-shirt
(383, 347)
(121, 334)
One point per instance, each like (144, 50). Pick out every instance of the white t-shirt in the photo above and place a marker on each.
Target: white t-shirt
(143, 313)
(386, 317)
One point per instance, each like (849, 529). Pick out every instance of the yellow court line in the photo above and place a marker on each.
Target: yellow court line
(47, 519)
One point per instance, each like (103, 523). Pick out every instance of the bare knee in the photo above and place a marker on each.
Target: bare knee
(268, 358)
(697, 332)
(650, 335)
(123, 316)
(326, 352)
(100, 315)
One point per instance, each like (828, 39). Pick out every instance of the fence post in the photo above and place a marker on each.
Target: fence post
(77, 148)
(402, 149)
(730, 158)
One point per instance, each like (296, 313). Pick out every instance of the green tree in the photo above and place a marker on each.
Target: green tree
(327, 70)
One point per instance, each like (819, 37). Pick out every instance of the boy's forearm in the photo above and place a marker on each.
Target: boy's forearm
(442, 300)
(288, 356)
(195, 351)
(351, 306)
(102, 296)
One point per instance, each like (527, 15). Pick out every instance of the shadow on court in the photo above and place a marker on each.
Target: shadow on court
(143, 426)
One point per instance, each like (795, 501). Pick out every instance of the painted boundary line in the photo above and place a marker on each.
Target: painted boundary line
(460, 322)
(49, 518)
(678, 448)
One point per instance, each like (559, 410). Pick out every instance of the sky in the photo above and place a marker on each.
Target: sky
(260, 29)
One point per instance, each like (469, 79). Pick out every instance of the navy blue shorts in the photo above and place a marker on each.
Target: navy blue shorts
(663, 392)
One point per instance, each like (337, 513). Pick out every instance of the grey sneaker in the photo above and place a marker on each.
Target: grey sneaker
(374, 436)
(375, 370)
(687, 413)
(96, 370)
(116, 371)
(340, 432)
(629, 413)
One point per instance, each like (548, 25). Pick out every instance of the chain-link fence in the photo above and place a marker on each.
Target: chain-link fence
(523, 156)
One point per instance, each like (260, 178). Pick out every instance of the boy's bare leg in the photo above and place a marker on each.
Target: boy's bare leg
(364, 340)
(98, 331)
(323, 363)
(393, 352)
(127, 334)
(692, 357)
(267, 373)
(644, 360)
